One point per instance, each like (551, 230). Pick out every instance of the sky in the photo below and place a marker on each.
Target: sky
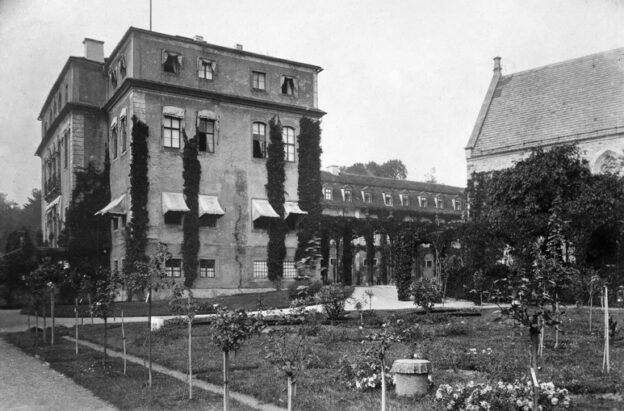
(401, 79)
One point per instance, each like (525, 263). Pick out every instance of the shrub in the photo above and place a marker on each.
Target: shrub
(333, 297)
(426, 294)
(303, 289)
(363, 374)
(501, 396)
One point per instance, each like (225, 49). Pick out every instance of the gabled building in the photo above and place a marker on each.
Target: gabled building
(576, 101)
(225, 96)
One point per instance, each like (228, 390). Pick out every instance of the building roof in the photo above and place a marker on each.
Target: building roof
(558, 103)
(389, 183)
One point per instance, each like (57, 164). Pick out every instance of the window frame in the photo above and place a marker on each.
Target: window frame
(172, 129)
(328, 193)
(206, 135)
(290, 149)
(283, 81)
(256, 76)
(202, 65)
(367, 197)
(404, 199)
(259, 270)
(123, 127)
(204, 272)
(170, 270)
(388, 199)
(114, 143)
(261, 138)
(177, 64)
(347, 195)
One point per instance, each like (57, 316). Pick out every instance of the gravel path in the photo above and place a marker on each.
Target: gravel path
(29, 384)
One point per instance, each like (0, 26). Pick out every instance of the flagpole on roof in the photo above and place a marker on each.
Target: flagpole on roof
(150, 15)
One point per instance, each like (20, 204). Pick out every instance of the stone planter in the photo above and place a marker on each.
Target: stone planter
(411, 377)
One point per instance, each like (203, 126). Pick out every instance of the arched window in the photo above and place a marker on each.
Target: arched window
(288, 136)
(258, 132)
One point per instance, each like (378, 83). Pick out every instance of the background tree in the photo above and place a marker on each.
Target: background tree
(191, 173)
(276, 176)
(390, 169)
(15, 267)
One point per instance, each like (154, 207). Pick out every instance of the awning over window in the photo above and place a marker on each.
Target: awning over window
(173, 111)
(53, 204)
(123, 113)
(262, 208)
(209, 205)
(292, 207)
(116, 206)
(173, 202)
(211, 115)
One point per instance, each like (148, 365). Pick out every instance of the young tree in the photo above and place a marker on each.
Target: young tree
(150, 277)
(229, 330)
(106, 289)
(185, 306)
(378, 344)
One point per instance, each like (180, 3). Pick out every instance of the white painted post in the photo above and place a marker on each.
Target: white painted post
(605, 358)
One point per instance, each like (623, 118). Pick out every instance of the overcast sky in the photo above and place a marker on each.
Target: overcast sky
(402, 79)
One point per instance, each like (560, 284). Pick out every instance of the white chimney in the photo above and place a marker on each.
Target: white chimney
(239, 46)
(93, 50)
(198, 38)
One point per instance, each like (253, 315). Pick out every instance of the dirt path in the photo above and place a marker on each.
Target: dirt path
(28, 384)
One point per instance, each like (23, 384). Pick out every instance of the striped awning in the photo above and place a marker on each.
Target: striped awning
(53, 203)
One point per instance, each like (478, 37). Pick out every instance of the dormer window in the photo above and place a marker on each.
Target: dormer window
(439, 203)
(457, 204)
(171, 62)
(288, 85)
(367, 197)
(347, 195)
(328, 193)
(387, 197)
(404, 198)
(205, 68)
(422, 201)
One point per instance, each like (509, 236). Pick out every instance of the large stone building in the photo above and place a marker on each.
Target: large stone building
(576, 101)
(362, 196)
(224, 95)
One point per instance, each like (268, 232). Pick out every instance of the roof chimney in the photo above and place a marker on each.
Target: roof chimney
(239, 46)
(198, 38)
(93, 50)
(497, 65)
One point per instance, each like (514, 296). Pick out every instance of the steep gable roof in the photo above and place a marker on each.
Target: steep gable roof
(562, 102)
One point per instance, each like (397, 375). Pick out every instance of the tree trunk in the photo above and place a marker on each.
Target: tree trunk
(190, 364)
(105, 339)
(591, 306)
(52, 314)
(76, 325)
(43, 314)
(535, 335)
(123, 341)
(290, 393)
(226, 387)
(606, 363)
(90, 308)
(383, 385)
(557, 326)
(149, 338)
(36, 327)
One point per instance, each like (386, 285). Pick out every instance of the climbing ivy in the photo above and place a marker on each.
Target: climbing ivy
(276, 176)
(309, 185)
(136, 230)
(191, 173)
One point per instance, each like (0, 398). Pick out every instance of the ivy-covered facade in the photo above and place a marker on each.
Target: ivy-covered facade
(225, 98)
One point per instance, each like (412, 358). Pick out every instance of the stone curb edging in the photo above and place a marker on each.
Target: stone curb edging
(217, 389)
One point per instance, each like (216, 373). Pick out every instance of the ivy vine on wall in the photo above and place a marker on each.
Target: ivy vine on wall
(276, 176)
(136, 230)
(191, 174)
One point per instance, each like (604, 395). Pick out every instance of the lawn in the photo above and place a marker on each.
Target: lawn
(271, 299)
(481, 348)
(126, 392)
